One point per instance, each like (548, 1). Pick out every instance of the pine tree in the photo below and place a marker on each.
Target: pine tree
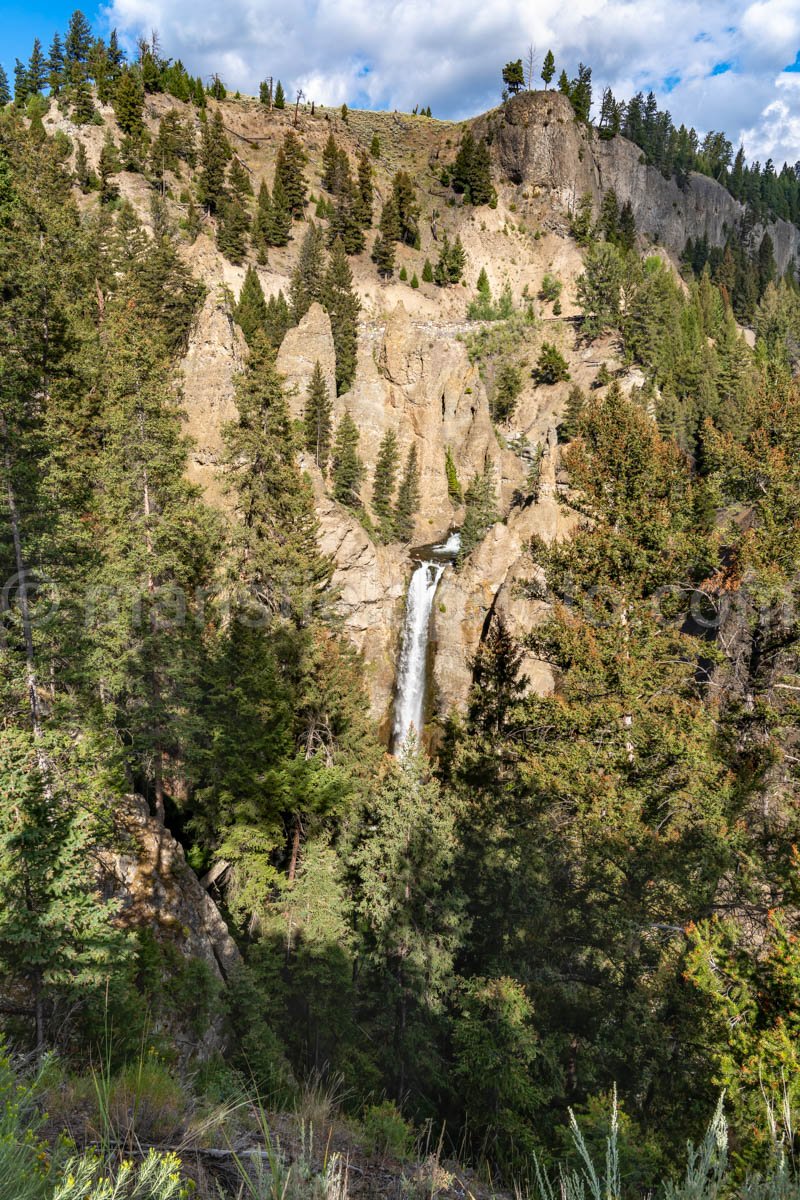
(383, 484)
(514, 76)
(260, 232)
(330, 164)
(346, 223)
(365, 191)
(55, 66)
(278, 320)
(548, 68)
(289, 164)
(37, 69)
(250, 313)
(404, 196)
(280, 98)
(383, 250)
(481, 511)
(82, 103)
(5, 90)
(233, 226)
(20, 83)
(215, 154)
(279, 225)
(278, 555)
(129, 104)
(308, 277)
(427, 272)
(318, 419)
(451, 262)
(108, 165)
(408, 497)
(343, 307)
(375, 146)
(239, 181)
(471, 172)
(57, 936)
(76, 48)
(569, 424)
(348, 469)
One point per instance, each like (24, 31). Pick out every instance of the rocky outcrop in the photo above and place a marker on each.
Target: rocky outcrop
(371, 583)
(216, 352)
(488, 587)
(159, 892)
(308, 343)
(536, 141)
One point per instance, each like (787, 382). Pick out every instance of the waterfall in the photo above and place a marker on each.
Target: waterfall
(409, 707)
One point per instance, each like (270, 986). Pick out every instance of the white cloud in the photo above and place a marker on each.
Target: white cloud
(398, 53)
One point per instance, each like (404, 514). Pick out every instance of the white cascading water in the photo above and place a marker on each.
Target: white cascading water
(409, 708)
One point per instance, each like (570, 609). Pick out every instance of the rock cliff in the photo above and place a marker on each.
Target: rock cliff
(537, 142)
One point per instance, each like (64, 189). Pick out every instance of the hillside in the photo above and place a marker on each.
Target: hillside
(399, 651)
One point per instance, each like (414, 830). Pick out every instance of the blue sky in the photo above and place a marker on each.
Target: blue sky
(717, 64)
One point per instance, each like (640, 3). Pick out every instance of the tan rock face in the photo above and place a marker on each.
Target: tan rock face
(487, 589)
(308, 343)
(215, 354)
(161, 893)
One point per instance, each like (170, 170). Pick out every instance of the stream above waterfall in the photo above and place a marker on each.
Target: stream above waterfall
(412, 671)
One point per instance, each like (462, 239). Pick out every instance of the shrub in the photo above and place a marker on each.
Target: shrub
(551, 288)
(551, 366)
(387, 1131)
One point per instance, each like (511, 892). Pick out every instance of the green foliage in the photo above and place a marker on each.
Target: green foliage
(280, 96)
(348, 470)
(454, 490)
(251, 310)
(375, 146)
(215, 154)
(289, 169)
(387, 1131)
(599, 289)
(450, 264)
(232, 229)
(471, 172)
(551, 288)
(408, 497)
(582, 220)
(508, 385)
(343, 306)
(383, 484)
(318, 419)
(514, 76)
(480, 499)
(551, 366)
(427, 272)
(129, 104)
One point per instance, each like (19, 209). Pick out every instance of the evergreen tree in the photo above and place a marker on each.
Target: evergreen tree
(375, 146)
(551, 366)
(260, 232)
(289, 165)
(318, 419)
(343, 307)
(233, 225)
(250, 313)
(280, 98)
(471, 172)
(82, 103)
(57, 936)
(279, 224)
(427, 272)
(383, 250)
(55, 66)
(450, 264)
(570, 422)
(383, 484)
(129, 104)
(364, 199)
(404, 196)
(239, 181)
(5, 90)
(278, 320)
(76, 48)
(348, 469)
(108, 166)
(20, 83)
(408, 496)
(548, 68)
(599, 289)
(308, 277)
(481, 511)
(37, 69)
(514, 76)
(215, 154)
(331, 164)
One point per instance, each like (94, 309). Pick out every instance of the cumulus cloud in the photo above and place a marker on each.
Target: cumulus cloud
(717, 64)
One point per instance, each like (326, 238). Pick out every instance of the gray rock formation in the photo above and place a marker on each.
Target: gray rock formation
(536, 141)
